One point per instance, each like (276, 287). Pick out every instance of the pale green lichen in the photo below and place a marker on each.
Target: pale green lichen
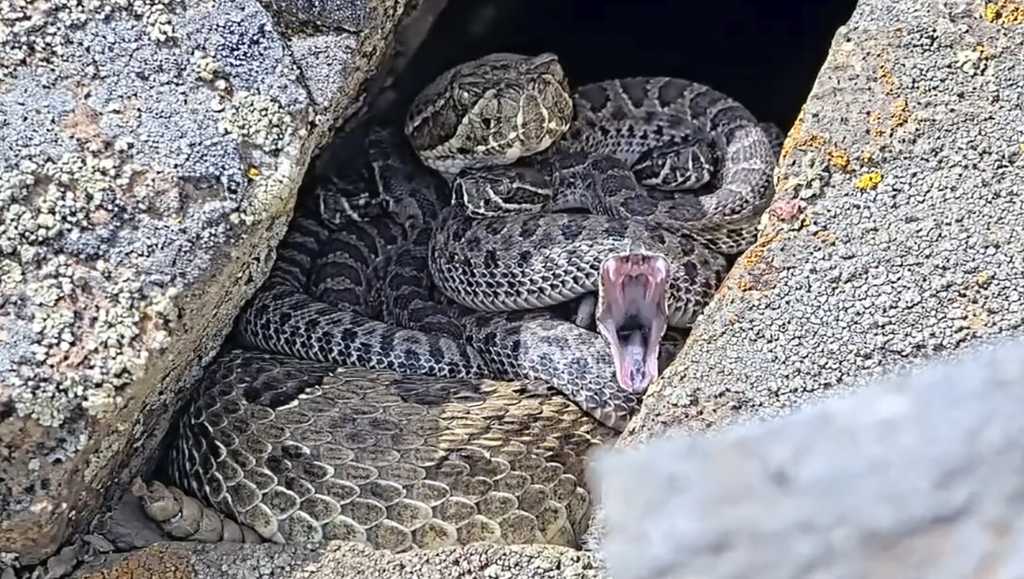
(113, 442)
(32, 31)
(42, 200)
(260, 120)
(207, 67)
(810, 180)
(11, 275)
(94, 328)
(102, 401)
(91, 325)
(159, 315)
(973, 61)
(210, 71)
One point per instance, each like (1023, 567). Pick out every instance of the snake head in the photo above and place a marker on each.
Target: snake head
(490, 111)
(500, 191)
(632, 315)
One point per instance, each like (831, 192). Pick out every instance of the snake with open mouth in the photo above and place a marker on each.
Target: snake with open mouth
(359, 399)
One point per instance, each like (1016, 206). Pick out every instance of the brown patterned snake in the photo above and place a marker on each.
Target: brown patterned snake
(355, 404)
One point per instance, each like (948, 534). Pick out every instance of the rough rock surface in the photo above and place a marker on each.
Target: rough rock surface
(348, 560)
(917, 477)
(894, 237)
(896, 232)
(141, 194)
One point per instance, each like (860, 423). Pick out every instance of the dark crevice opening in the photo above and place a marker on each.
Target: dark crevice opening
(766, 55)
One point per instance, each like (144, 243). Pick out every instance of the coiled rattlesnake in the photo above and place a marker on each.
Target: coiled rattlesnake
(281, 439)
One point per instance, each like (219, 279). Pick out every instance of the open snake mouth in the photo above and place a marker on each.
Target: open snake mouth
(632, 315)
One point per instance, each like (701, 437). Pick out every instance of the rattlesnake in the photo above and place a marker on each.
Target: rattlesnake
(282, 440)
(653, 254)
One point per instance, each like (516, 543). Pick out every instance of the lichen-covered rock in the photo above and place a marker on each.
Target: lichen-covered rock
(896, 232)
(149, 155)
(895, 235)
(916, 477)
(348, 560)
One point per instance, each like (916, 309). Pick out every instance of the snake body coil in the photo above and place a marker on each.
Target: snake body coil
(358, 403)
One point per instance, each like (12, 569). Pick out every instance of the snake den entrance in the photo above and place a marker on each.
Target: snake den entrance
(487, 271)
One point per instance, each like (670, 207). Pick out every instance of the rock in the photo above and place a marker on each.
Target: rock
(348, 560)
(141, 194)
(894, 238)
(895, 235)
(917, 477)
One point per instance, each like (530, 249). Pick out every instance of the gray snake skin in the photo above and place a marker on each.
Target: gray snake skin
(635, 156)
(359, 401)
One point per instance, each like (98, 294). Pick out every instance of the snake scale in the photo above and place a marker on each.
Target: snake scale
(395, 380)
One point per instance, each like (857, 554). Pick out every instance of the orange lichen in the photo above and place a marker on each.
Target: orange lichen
(825, 237)
(156, 561)
(899, 113)
(796, 139)
(756, 253)
(791, 138)
(839, 159)
(885, 76)
(811, 142)
(875, 127)
(253, 172)
(753, 256)
(1004, 12)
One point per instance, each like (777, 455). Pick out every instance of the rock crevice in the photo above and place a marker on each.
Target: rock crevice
(141, 196)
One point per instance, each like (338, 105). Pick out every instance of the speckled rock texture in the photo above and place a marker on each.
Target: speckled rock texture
(896, 232)
(917, 477)
(149, 155)
(343, 560)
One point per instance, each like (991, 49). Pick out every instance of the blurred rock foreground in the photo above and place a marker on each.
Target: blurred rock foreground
(913, 478)
(140, 197)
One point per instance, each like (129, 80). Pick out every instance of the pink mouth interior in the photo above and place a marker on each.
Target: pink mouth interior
(633, 314)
